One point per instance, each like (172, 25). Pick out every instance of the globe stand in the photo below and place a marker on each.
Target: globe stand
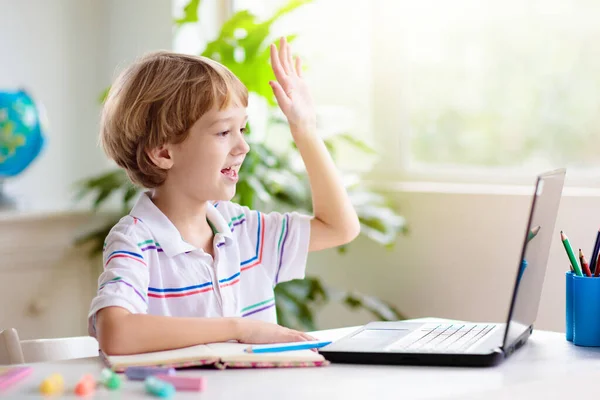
(6, 202)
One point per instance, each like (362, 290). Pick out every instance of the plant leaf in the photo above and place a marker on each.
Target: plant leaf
(379, 308)
(354, 142)
(103, 95)
(259, 189)
(95, 239)
(253, 69)
(129, 194)
(301, 311)
(190, 13)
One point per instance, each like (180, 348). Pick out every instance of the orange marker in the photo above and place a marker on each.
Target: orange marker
(584, 264)
(54, 384)
(86, 386)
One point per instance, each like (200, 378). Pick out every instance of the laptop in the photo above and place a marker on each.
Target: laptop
(466, 343)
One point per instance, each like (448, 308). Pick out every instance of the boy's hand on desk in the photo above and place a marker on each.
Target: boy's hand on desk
(260, 332)
(291, 91)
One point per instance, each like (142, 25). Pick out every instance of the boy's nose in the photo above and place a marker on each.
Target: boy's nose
(242, 146)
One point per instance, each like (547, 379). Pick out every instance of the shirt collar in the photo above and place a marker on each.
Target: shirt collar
(167, 235)
(217, 222)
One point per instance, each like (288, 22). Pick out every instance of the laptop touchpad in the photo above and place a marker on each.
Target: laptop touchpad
(376, 338)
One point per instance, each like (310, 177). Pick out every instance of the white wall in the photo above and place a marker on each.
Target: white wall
(65, 52)
(459, 260)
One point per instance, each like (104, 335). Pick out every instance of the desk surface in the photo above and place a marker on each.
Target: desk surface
(547, 357)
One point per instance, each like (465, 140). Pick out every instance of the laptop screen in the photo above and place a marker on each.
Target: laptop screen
(534, 257)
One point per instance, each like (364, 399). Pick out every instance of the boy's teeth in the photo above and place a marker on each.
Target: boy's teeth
(231, 171)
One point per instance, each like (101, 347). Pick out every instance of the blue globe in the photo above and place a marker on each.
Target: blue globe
(22, 126)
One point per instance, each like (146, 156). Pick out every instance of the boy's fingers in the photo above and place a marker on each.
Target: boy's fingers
(282, 98)
(298, 66)
(276, 63)
(308, 337)
(283, 57)
(290, 61)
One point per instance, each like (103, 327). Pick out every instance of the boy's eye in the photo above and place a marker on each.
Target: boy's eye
(225, 133)
(243, 130)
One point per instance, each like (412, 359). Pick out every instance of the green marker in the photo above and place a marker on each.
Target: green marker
(110, 379)
(569, 251)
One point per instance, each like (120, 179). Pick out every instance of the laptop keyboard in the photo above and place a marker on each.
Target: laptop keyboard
(442, 338)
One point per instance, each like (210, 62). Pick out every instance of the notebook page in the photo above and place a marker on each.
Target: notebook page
(234, 352)
(185, 354)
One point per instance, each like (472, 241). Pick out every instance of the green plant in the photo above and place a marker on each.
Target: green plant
(269, 178)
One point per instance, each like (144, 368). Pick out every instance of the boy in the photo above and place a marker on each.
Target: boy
(187, 266)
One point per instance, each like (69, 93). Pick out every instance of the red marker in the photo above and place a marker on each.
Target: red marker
(584, 264)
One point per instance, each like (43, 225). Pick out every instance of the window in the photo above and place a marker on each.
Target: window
(500, 85)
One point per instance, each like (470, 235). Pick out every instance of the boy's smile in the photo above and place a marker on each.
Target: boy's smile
(231, 172)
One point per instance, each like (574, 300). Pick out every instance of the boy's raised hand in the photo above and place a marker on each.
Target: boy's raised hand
(334, 221)
(291, 91)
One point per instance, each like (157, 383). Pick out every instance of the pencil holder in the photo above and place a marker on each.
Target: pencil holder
(569, 305)
(583, 310)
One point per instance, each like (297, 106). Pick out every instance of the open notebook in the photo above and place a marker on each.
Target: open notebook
(219, 355)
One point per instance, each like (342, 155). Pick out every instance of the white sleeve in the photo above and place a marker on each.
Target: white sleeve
(283, 239)
(124, 282)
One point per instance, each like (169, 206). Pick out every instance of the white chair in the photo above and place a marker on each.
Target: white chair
(15, 351)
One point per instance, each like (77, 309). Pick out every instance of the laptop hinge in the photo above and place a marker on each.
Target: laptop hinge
(517, 343)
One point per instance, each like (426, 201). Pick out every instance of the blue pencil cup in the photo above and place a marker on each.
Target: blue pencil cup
(569, 302)
(583, 310)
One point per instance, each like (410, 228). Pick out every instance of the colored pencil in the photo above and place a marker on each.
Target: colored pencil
(533, 232)
(569, 250)
(594, 259)
(271, 348)
(584, 264)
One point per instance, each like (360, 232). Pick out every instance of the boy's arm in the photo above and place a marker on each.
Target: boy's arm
(335, 221)
(121, 332)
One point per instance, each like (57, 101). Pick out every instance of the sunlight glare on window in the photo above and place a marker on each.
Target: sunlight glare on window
(501, 83)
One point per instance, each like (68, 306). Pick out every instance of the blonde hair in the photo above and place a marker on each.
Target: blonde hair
(156, 101)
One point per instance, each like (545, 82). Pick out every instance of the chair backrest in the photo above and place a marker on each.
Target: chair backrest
(10, 347)
(43, 350)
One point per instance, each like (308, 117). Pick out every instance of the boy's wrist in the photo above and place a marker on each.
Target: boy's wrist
(236, 327)
(304, 128)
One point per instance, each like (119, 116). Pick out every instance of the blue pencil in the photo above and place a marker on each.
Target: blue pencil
(272, 348)
(595, 253)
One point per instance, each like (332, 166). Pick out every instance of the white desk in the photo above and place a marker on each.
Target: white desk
(547, 358)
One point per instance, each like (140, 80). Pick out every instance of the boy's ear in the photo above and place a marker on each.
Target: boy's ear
(161, 156)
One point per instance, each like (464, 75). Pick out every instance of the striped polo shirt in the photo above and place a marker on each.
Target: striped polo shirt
(150, 269)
